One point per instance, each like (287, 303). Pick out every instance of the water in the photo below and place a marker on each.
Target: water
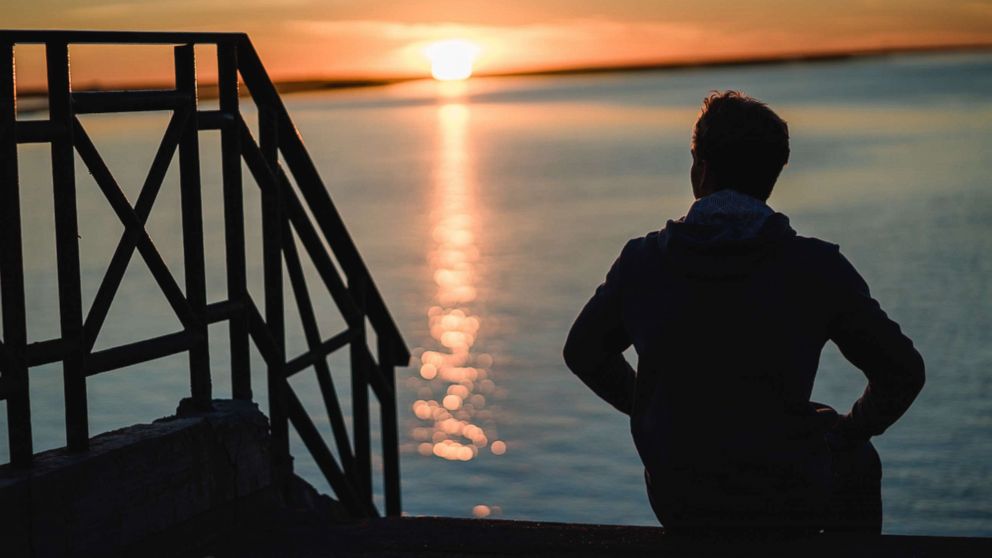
(488, 216)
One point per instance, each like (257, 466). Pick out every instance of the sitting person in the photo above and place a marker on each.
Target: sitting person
(728, 310)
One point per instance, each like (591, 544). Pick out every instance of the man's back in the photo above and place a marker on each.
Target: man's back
(729, 310)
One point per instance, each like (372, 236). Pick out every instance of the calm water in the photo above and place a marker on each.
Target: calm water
(488, 216)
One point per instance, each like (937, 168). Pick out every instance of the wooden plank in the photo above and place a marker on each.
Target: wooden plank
(192, 219)
(140, 351)
(234, 226)
(47, 351)
(224, 310)
(14, 368)
(94, 102)
(214, 120)
(67, 246)
(125, 246)
(38, 131)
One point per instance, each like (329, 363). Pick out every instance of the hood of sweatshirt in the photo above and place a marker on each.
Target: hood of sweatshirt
(723, 236)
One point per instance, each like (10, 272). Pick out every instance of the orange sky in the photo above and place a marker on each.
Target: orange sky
(380, 38)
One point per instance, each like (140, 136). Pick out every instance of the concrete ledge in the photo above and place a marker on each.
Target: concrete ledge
(440, 536)
(139, 481)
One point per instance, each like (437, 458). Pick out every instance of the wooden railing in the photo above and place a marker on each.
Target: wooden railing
(305, 211)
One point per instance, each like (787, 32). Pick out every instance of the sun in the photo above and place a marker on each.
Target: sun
(451, 60)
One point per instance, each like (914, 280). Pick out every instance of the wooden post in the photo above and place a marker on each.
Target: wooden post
(67, 245)
(14, 367)
(192, 207)
(234, 228)
(272, 227)
(360, 397)
(390, 434)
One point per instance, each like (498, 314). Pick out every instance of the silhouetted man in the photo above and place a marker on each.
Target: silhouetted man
(728, 310)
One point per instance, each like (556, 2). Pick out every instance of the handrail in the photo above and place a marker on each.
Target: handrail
(310, 216)
(47, 36)
(307, 177)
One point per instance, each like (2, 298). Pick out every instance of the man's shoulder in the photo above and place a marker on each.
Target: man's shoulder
(814, 247)
(648, 241)
(812, 254)
(641, 246)
(824, 263)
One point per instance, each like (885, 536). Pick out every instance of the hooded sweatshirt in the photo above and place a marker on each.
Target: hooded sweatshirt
(728, 310)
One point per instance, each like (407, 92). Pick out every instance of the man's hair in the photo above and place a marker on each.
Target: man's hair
(741, 140)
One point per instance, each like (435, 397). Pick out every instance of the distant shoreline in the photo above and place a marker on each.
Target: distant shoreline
(35, 97)
(770, 60)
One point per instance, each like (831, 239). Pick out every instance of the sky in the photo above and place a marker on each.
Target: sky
(302, 39)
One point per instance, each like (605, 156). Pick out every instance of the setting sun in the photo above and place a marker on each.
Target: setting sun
(451, 60)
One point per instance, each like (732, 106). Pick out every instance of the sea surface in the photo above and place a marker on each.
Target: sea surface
(489, 211)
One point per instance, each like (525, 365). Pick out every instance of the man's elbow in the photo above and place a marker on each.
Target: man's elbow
(916, 376)
(571, 353)
(577, 351)
(907, 382)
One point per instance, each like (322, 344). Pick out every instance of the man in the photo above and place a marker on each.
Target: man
(728, 310)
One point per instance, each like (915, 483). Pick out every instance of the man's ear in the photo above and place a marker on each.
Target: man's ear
(701, 174)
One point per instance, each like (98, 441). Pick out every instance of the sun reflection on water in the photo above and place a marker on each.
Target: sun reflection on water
(455, 421)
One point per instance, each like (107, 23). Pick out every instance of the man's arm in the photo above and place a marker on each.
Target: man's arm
(875, 344)
(595, 345)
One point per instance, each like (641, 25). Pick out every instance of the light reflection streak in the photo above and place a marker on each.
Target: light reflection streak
(454, 388)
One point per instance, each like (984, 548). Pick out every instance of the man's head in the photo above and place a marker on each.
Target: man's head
(737, 143)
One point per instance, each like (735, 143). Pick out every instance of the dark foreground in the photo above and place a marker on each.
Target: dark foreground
(438, 536)
(200, 484)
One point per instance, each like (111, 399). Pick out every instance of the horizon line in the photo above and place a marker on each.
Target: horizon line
(302, 84)
(757, 60)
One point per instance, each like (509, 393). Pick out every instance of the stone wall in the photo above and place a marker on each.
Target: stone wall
(179, 481)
